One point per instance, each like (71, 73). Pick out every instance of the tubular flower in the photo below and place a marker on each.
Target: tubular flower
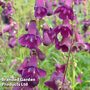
(46, 35)
(65, 12)
(31, 40)
(29, 70)
(56, 79)
(40, 10)
(62, 38)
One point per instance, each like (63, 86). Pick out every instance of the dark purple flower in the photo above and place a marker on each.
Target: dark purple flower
(12, 42)
(64, 45)
(56, 79)
(40, 10)
(63, 30)
(62, 38)
(29, 40)
(8, 10)
(65, 12)
(28, 69)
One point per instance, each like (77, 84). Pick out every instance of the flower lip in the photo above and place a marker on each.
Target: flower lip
(65, 12)
(29, 40)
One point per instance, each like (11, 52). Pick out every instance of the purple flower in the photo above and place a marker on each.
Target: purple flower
(64, 45)
(62, 38)
(28, 69)
(79, 41)
(65, 12)
(12, 42)
(32, 28)
(40, 10)
(57, 78)
(46, 35)
(49, 7)
(8, 10)
(29, 40)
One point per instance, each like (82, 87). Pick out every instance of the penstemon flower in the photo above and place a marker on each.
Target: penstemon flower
(65, 35)
(40, 9)
(56, 79)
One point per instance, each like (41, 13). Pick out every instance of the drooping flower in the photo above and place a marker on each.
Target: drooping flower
(57, 78)
(65, 12)
(32, 39)
(29, 69)
(29, 40)
(40, 10)
(62, 38)
(64, 45)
